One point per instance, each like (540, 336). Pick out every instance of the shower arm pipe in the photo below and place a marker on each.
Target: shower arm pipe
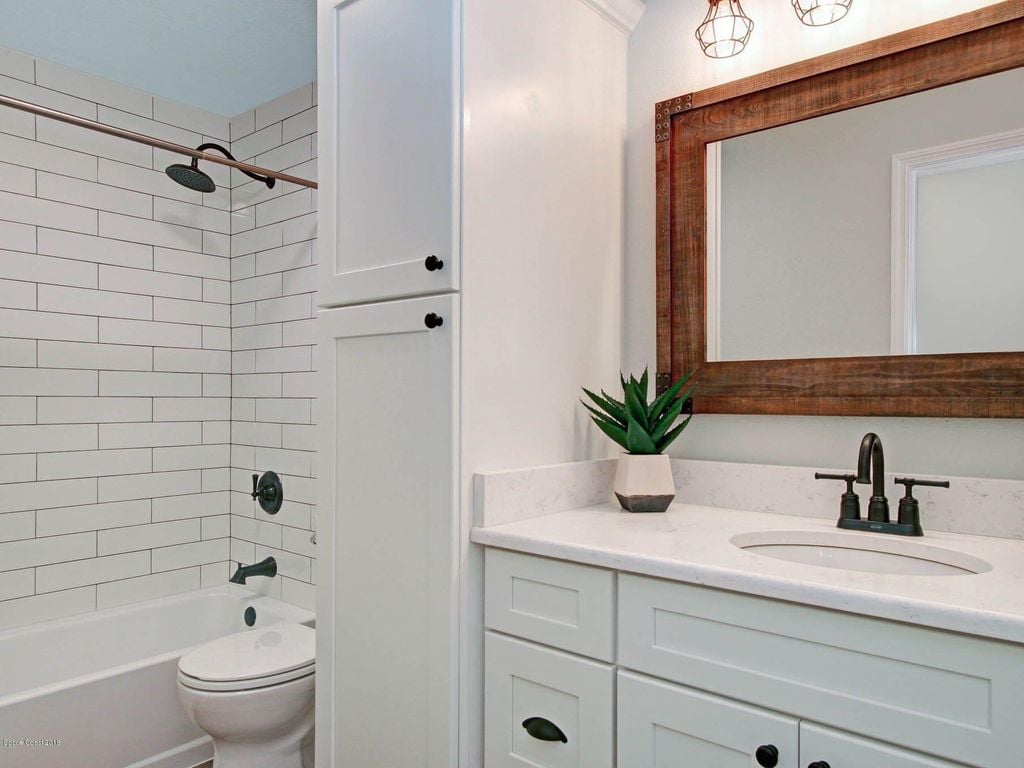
(141, 138)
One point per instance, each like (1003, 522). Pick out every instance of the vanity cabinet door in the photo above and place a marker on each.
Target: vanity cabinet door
(387, 122)
(544, 708)
(388, 534)
(841, 750)
(661, 725)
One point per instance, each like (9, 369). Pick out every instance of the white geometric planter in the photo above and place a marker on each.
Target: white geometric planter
(644, 483)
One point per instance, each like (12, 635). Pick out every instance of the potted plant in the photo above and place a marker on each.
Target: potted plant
(643, 479)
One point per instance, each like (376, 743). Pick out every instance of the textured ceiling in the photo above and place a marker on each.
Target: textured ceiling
(225, 56)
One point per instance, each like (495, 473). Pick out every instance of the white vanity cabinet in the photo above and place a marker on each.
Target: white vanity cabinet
(388, 124)
(706, 677)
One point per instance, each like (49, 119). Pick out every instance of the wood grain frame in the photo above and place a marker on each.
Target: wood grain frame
(982, 385)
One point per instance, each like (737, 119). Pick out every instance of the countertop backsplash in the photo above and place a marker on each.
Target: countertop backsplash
(977, 506)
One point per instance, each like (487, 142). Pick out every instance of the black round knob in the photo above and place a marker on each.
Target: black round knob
(433, 263)
(819, 764)
(433, 320)
(767, 756)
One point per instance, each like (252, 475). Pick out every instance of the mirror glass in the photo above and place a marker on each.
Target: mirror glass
(893, 228)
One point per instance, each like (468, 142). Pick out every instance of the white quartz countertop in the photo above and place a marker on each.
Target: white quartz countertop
(692, 544)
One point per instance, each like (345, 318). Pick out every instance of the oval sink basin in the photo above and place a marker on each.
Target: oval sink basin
(865, 553)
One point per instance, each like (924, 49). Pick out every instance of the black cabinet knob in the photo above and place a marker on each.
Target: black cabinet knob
(544, 730)
(433, 320)
(819, 764)
(433, 264)
(767, 756)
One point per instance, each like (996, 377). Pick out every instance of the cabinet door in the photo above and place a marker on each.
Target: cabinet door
(661, 725)
(544, 708)
(386, 572)
(387, 108)
(832, 749)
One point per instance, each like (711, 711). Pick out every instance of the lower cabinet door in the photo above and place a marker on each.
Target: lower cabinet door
(661, 725)
(824, 748)
(545, 708)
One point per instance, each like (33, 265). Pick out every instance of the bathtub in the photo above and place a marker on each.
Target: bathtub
(100, 690)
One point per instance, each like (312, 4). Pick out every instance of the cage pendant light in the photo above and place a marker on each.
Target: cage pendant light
(725, 30)
(818, 13)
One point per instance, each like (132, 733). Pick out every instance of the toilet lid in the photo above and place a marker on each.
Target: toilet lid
(264, 652)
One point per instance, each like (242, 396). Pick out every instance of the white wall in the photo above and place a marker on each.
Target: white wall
(544, 110)
(115, 354)
(665, 61)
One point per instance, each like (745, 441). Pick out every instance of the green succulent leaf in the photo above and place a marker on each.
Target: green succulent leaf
(612, 412)
(667, 420)
(644, 380)
(596, 414)
(613, 401)
(638, 441)
(666, 441)
(635, 408)
(614, 431)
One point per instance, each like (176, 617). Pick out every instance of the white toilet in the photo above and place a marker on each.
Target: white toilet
(252, 692)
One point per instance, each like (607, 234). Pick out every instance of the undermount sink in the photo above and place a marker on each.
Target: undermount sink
(869, 553)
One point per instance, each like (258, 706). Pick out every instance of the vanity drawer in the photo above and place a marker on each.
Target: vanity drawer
(660, 724)
(557, 603)
(525, 681)
(949, 695)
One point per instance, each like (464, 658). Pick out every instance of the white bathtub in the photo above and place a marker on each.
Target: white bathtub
(100, 690)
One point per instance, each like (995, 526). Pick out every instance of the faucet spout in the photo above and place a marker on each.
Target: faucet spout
(871, 469)
(266, 567)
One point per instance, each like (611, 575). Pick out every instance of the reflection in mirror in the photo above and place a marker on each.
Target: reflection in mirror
(892, 228)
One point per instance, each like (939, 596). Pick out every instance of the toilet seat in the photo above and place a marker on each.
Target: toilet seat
(255, 658)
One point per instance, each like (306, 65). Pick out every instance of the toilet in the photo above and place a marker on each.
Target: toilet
(252, 692)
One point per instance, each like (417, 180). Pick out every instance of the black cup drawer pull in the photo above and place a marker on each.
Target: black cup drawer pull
(767, 756)
(433, 320)
(819, 764)
(543, 729)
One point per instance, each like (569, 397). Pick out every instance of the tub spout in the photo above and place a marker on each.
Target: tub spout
(267, 567)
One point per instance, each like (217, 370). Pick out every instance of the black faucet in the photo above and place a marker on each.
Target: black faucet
(871, 469)
(267, 567)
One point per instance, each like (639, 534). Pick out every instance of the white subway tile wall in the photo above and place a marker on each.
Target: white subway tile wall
(271, 251)
(139, 387)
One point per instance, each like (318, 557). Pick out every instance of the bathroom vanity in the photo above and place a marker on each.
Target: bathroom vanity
(636, 641)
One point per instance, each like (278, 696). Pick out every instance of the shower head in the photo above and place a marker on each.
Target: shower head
(191, 177)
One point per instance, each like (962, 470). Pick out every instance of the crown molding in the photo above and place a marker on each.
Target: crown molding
(624, 14)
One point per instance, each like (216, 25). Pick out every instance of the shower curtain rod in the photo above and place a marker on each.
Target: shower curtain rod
(141, 138)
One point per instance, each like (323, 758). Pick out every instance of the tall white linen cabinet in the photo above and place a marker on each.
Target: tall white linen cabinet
(470, 237)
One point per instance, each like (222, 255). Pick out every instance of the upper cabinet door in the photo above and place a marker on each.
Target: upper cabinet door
(388, 127)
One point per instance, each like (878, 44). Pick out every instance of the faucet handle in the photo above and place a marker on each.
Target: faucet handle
(850, 479)
(849, 505)
(910, 482)
(910, 509)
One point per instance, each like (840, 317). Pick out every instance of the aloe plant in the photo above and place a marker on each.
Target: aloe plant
(638, 426)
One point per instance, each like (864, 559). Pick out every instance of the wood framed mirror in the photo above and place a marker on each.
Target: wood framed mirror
(688, 131)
